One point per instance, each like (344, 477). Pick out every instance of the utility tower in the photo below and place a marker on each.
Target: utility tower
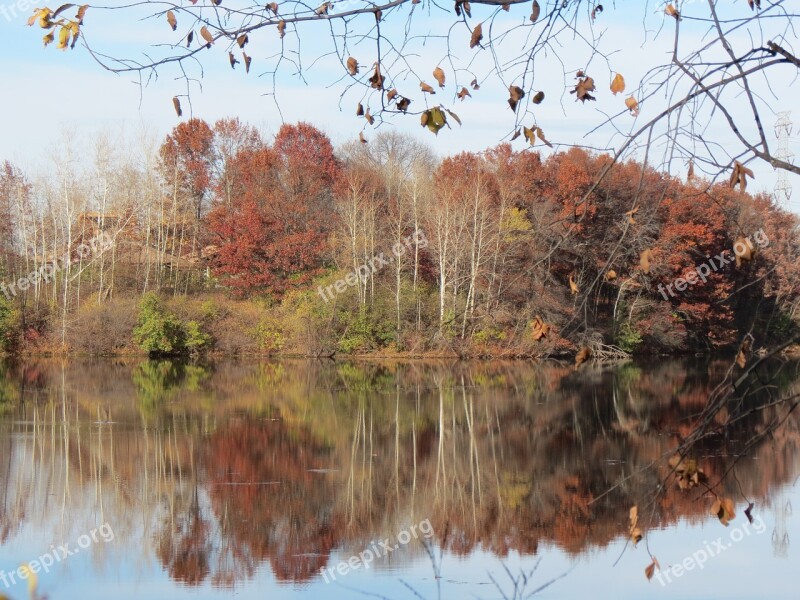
(783, 131)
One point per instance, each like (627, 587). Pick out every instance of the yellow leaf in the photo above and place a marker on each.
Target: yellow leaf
(63, 38)
(173, 22)
(618, 84)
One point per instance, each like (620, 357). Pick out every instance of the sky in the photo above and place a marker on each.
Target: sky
(56, 102)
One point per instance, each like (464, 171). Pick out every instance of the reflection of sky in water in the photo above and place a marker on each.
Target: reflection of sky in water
(59, 496)
(747, 569)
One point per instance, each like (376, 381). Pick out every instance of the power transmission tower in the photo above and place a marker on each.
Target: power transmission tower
(783, 131)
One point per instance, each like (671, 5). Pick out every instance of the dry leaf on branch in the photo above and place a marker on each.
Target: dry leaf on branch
(361, 137)
(247, 61)
(242, 40)
(177, 104)
(477, 36)
(438, 75)
(618, 84)
(651, 568)
(352, 66)
(583, 87)
(723, 509)
(538, 98)
(632, 105)
(515, 95)
(426, 88)
(611, 275)
(535, 11)
(281, 28)
(173, 22)
(463, 93)
(739, 176)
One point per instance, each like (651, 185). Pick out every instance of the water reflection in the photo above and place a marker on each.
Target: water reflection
(215, 471)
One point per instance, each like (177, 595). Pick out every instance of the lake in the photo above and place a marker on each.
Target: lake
(396, 480)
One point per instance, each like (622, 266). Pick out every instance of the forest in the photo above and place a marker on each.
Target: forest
(218, 240)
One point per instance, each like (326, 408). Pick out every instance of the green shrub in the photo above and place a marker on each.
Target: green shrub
(8, 325)
(628, 338)
(160, 332)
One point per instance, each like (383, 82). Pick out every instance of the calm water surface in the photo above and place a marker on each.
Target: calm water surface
(249, 479)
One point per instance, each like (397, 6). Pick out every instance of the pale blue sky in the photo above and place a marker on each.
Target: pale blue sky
(52, 98)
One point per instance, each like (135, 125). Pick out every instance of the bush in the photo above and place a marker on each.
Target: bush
(8, 325)
(160, 332)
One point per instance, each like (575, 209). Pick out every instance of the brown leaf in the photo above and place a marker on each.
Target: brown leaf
(690, 174)
(517, 133)
(273, 7)
(454, 115)
(391, 95)
(630, 214)
(748, 512)
(378, 16)
(538, 97)
(535, 11)
(232, 59)
(583, 355)
(281, 28)
(723, 509)
(477, 36)
(539, 329)
(474, 84)
(426, 88)
(177, 104)
(597, 9)
(242, 40)
(206, 35)
(611, 275)
(463, 93)
(173, 22)
(515, 95)
(403, 104)
(540, 135)
(645, 259)
(531, 137)
(361, 137)
(651, 568)
(81, 13)
(370, 119)
(438, 75)
(672, 11)
(618, 84)
(352, 66)
(189, 38)
(360, 110)
(573, 287)
(583, 87)
(376, 81)
(323, 9)
(247, 61)
(633, 106)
